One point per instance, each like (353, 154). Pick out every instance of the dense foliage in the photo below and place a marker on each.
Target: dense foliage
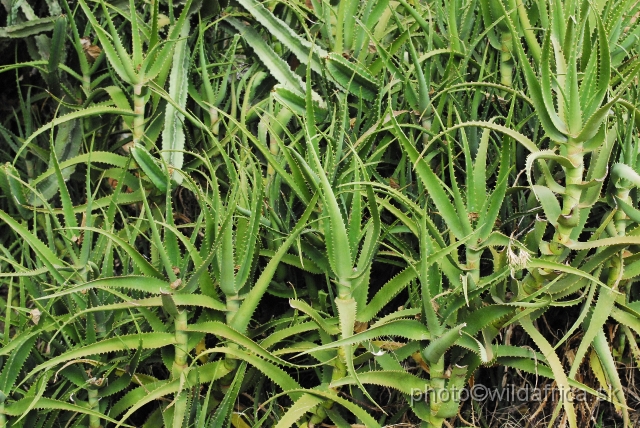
(301, 213)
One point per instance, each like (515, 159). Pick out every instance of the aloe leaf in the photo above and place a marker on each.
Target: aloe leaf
(533, 85)
(19, 407)
(347, 309)
(604, 71)
(302, 406)
(143, 264)
(431, 182)
(300, 191)
(29, 28)
(163, 247)
(67, 144)
(48, 258)
(275, 64)
(138, 283)
(631, 320)
(13, 364)
(96, 157)
(67, 204)
(86, 112)
(593, 123)
(573, 110)
(225, 408)
(606, 242)
(56, 54)
(11, 185)
(221, 330)
(608, 364)
(150, 167)
(173, 137)
(549, 203)
(112, 45)
(600, 314)
(246, 241)
(396, 284)
(136, 42)
(517, 136)
(536, 367)
(203, 374)
(250, 303)
(353, 77)
(296, 103)
(226, 261)
(315, 316)
(437, 347)
(556, 366)
(398, 380)
(409, 329)
(423, 87)
(357, 411)
(546, 85)
(495, 201)
(157, 63)
(337, 238)
(303, 49)
(121, 343)
(305, 264)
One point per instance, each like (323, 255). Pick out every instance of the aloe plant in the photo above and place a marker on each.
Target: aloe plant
(279, 214)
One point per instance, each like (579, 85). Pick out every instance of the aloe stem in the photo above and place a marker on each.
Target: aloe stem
(138, 110)
(473, 264)
(94, 421)
(437, 380)
(86, 83)
(233, 303)
(181, 346)
(573, 191)
(620, 218)
(506, 60)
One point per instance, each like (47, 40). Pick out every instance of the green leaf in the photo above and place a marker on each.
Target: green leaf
(357, 411)
(305, 404)
(18, 408)
(29, 28)
(120, 343)
(431, 182)
(533, 85)
(274, 63)
(139, 283)
(241, 320)
(437, 347)
(48, 258)
(112, 45)
(336, 236)
(150, 167)
(302, 48)
(13, 364)
(409, 329)
(315, 316)
(145, 267)
(173, 136)
(85, 112)
(399, 380)
(556, 366)
(352, 77)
